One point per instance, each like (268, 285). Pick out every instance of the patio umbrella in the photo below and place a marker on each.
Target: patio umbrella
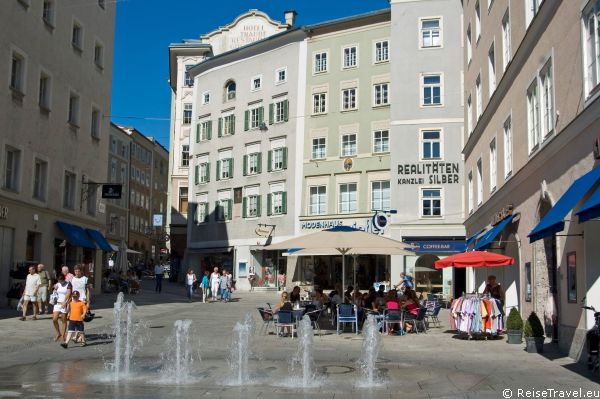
(344, 240)
(422, 269)
(474, 259)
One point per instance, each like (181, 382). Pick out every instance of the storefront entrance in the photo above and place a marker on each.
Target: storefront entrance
(326, 271)
(270, 268)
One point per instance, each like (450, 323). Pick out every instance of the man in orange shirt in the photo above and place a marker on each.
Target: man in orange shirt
(78, 309)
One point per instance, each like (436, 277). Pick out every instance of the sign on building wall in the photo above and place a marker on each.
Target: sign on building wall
(111, 191)
(3, 212)
(429, 173)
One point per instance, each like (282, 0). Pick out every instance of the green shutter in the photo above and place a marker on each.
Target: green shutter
(258, 205)
(207, 172)
(246, 120)
(206, 212)
(230, 168)
(284, 202)
(286, 109)
(197, 174)
(285, 157)
(259, 163)
(232, 125)
(271, 113)
(245, 207)
(269, 160)
(197, 133)
(269, 201)
(245, 166)
(220, 128)
(218, 170)
(229, 205)
(217, 210)
(209, 132)
(261, 115)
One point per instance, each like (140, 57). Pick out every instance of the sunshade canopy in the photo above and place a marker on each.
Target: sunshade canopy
(474, 259)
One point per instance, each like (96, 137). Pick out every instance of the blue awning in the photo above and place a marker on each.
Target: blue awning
(471, 239)
(591, 208)
(100, 240)
(554, 222)
(76, 235)
(489, 237)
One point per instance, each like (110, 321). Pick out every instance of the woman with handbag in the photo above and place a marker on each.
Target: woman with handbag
(60, 299)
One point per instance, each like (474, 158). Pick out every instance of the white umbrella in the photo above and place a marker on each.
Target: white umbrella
(344, 240)
(422, 269)
(121, 263)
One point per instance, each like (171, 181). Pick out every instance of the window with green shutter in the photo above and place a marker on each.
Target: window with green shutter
(220, 128)
(271, 113)
(230, 168)
(284, 202)
(218, 170)
(246, 120)
(286, 110)
(206, 212)
(258, 205)
(270, 161)
(245, 207)
(209, 132)
(259, 163)
(261, 116)
(229, 206)
(197, 174)
(207, 173)
(197, 133)
(269, 204)
(285, 157)
(245, 166)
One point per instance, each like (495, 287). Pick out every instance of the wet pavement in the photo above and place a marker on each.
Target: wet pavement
(432, 365)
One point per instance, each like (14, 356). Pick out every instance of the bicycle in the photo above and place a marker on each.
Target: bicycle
(593, 342)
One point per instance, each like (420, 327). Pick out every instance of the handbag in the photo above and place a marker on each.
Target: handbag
(53, 298)
(89, 316)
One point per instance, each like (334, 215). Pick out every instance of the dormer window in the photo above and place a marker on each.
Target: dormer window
(230, 90)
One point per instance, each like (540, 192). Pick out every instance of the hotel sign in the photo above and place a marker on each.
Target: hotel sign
(247, 34)
(429, 173)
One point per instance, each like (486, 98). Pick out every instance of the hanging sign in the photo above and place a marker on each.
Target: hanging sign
(111, 191)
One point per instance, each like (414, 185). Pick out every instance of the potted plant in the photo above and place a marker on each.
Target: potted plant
(514, 327)
(534, 334)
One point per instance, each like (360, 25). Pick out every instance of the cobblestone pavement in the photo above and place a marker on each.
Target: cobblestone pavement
(432, 365)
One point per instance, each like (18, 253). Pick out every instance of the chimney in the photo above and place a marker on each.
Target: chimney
(290, 17)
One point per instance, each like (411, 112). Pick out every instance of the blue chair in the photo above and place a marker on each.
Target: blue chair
(267, 318)
(346, 313)
(285, 319)
(392, 317)
(419, 320)
(434, 316)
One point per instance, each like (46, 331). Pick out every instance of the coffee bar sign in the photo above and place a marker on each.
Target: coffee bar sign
(429, 173)
(3, 212)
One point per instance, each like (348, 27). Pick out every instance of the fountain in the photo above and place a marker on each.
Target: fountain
(178, 359)
(370, 352)
(117, 326)
(124, 332)
(240, 351)
(302, 363)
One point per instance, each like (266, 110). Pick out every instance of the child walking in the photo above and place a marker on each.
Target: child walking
(75, 329)
(205, 285)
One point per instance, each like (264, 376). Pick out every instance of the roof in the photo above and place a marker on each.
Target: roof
(351, 18)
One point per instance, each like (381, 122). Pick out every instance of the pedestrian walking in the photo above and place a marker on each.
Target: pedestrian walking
(159, 272)
(223, 286)
(63, 290)
(77, 309)
(190, 280)
(67, 274)
(32, 285)
(215, 282)
(205, 286)
(45, 287)
(80, 283)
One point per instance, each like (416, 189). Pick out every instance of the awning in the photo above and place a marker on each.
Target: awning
(76, 235)
(487, 239)
(591, 208)
(554, 221)
(471, 239)
(100, 240)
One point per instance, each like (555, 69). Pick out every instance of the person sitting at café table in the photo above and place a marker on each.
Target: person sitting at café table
(369, 299)
(335, 296)
(357, 298)
(320, 299)
(411, 307)
(348, 294)
(295, 295)
(284, 305)
(392, 303)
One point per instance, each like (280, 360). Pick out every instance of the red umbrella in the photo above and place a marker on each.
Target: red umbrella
(474, 259)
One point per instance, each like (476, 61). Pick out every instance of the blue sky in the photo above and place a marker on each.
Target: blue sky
(145, 28)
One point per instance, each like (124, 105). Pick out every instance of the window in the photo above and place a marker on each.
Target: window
(479, 182)
(348, 99)
(493, 165)
(380, 195)
(203, 131)
(229, 125)
(73, 117)
(202, 212)
(507, 147)
(382, 51)
(99, 55)
(17, 73)
(478, 97)
(470, 193)
(469, 45)
(205, 97)
(278, 161)
(252, 163)
(477, 22)
(230, 91)
(256, 83)
(188, 81)
(348, 145)
(281, 75)
(223, 212)
(226, 166)
(431, 33)
(318, 200)
(591, 48)
(95, 123)
(77, 36)
(91, 199)
(348, 198)
(48, 12)
(547, 99)
(431, 201)
(252, 208)
(432, 89)
(319, 103)
(280, 109)
(69, 191)
(380, 94)
(320, 62)
(183, 201)
(349, 57)
(44, 94)
(533, 117)
(469, 116)
(204, 172)
(505, 40)
(492, 70)
(12, 169)
(381, 141)
(319, 150)
(187, 113)
(431, 140)
(185, 155)
(256, 117)
(531, 8)
(277, 203)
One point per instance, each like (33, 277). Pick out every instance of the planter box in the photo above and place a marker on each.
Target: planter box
(514, 336)
(534, 344)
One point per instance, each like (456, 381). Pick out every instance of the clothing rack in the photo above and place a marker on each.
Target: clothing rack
(477, 316)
